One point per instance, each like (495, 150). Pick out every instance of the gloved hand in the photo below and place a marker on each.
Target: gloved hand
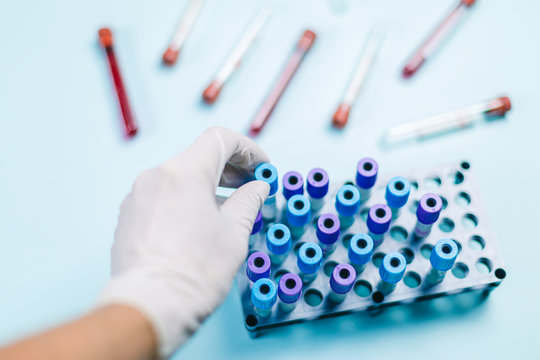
(176, 250)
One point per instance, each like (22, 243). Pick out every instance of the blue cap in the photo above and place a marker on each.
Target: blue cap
(278, 239)
(444, 254)
(392, 268)
(366, 173)
(328, 229)
(348, 200)
(268, 173)
(360, 249)
(429, 208)
(257, 225)
(317, 183)
(292, 183)
(264, 294)
(298, 210)
(342, 278)
(379, 217)
(309, 258)
(397, 192)
(289, 288)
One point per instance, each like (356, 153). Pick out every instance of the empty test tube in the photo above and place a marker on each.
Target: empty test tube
(289, 291)
(293, 184)
(317, 188)
(298, 214)
(309, 261)
(366, 176)
(278, 242)
(268, 173)
(427, 213)
(341, 282)
(257, 226)
(360, 251)
(397, 194)
(378, 222)
(391, 271)
(347, 204)
(258, 266)
(328, 232)
(264, 296)
(443, 256)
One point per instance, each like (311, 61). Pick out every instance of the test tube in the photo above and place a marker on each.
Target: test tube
(268, 173)
(257, 226)
(397, 194)
(298, 214)
(309, 261)
(391, 271)
(182, 31)
(293, 184)
(317, 188)
(378, 222)
(366, 176)
(289, 291)
(436, 37)
(278, 242)
(427, 213)
(263, 296)
(453, 120)
(341, 116)
(360, 251)
(341, 282)
(106, 41)
(347, 204)
(328, 232)
(262, 116)
(258, 266)
(443, 256)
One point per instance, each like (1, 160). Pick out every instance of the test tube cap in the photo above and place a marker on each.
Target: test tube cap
(397, 192)
(258, 266)
(317, 183)
(105, 37)
(278, 239)
(309, 258)
(211, 93)
(444, 254)
(257, 225)
(366, 173)
(393, 267)
(289, 288)
(293, 184)
(264, 294)
(298, 210)
(342, 279)
(328, 229)
(360, 249)
(429, 208)
(348, 200)
(379, 217)
(268, 173)
(500, 106)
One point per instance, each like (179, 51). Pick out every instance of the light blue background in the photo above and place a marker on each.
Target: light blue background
(65, 168)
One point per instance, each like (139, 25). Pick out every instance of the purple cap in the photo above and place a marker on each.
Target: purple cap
(379, 217)
(258, 266)
(257, 225)
(317, 183)
(328, 229)
(429, 208)
(290, 288)
(342, 278)
(293, 184)
(366, 173)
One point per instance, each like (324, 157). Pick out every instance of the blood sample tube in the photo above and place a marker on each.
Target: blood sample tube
(293, 184)
(366, 176)
(391, 271)
(427, 213)
(106, 41)
(258, 266)
(378, 222)
(262, 116)
(347, 204)
(309, 261)
(436, 37)
(298, 214)
(268, 173)
(443, 256)
(341, 282)
(317, 188)
(264, 296)
(255, 232)
(278, 242)
(328, 232)
(397, 194)
(360, 251)
(289, 291)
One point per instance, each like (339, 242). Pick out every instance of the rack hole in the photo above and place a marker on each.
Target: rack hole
(412, 279)
(465, 165)
(348, 183)
(413, 206)
(313, 297)
(378, 297)
(446, 225)
(278, 274)
(414, 185)
(433, 182)
(328, 267)
(364, 214)
(476, 242)
(457, 177)
(362, 288)
(408, 254)
(297, 247)
(444, 202)
(377, 259)
(251, 320)
(463, 199)
(399, 233)
(484, 266)
(346, 240)
(500, 273)
(469, 221)
(425, 250)
(460, 270)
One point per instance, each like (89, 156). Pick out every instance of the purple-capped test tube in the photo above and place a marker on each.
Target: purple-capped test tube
(341, 282)
(378, 222)
(256, 231)
(289, 291)
(317, 188)
(366, 177)
(328, 232)
(258, 266)
(293, 184)
(427, 213)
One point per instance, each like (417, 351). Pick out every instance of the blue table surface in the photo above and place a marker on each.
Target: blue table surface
(65, 167)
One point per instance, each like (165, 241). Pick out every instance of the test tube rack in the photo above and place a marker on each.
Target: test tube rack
(478, 266)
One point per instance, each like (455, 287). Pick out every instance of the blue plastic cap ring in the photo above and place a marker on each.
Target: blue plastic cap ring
(309, 258)
(264, 293)
(393, 267)
(298, 210)
(360, 249)
(444, 254)
(278, 239)
(348, 200)
(268, 173)
(397, 192)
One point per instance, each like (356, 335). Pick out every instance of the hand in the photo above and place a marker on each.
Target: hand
(176, 250)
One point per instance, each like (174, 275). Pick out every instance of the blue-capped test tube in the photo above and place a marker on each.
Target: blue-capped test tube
(391, 271)
(298, 214)
(443, 256)
(256, 230)
(347, 204)
(317, 188)
(397, 194)
(268, 173)
(289, 291)
(341, 282)
(360, 251)
(427, 213)
(378, 222)
(328, 232)
(263, 296)
(293, 184)
(309, 261)
(366, 177)
(258, 266)
(278, 242)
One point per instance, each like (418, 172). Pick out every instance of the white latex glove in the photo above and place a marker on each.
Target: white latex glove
(176, 250)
